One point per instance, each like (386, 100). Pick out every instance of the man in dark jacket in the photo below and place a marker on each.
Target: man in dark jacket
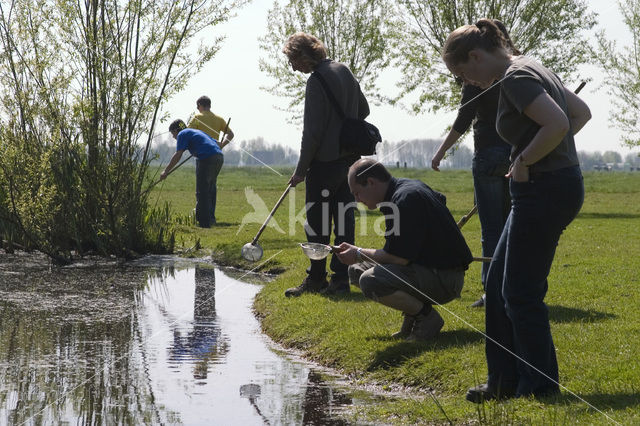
(322, 164)
(424, 258)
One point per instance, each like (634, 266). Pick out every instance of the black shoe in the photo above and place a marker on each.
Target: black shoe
(483, 392)
(480, 302)
(308, 286)
(548, 393)
(337, 286)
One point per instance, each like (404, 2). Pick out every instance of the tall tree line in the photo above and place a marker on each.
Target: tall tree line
(410, 34)
(621, 65)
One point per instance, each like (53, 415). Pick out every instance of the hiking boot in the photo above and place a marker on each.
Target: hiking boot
(484, 392)
(308, 286)
(406, 327)
(337, 286)
(480, 302)
(426, 326)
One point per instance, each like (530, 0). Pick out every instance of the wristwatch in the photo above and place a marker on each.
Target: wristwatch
(359, 255)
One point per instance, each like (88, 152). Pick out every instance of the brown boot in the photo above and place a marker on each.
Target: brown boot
(337, 286)
(406, 327)
(308, 286)
(426, 326)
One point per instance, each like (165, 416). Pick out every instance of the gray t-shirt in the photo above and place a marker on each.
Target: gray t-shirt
(526, 80)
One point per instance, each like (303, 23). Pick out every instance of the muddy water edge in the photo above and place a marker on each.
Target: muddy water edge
(161, 340)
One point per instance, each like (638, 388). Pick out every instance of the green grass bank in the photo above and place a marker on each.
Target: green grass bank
(594, 302)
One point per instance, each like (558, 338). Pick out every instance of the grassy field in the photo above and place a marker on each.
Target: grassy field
(594, 301)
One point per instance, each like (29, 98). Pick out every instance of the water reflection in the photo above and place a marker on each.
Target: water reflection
(67, 346)
(150, 342)
(252, 392)
(203, 342)
(319, 401)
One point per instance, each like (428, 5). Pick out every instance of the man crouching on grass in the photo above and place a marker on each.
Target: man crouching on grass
(424, 258)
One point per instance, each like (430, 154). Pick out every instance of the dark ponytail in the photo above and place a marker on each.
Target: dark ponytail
(486, 34)
(514, 50)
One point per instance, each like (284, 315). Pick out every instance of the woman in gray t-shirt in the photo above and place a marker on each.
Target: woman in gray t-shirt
(538, 117)
(490, 160)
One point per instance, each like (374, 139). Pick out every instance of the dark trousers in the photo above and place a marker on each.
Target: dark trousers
(207, 171)
(491, 189)
(517, 318)
(329, 201)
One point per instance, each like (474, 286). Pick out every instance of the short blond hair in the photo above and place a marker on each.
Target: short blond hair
(305, 47)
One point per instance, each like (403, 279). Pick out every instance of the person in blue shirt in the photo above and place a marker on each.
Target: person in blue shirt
(209, 160)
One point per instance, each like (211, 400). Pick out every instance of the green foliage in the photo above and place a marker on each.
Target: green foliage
(550, 31)
(82, 84)
(355, 32)
(622, 68)
(161, 234)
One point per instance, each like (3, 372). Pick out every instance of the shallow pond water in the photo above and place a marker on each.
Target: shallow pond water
(156, 341)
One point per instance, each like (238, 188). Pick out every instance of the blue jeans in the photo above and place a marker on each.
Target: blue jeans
(207, 171)
(490, 164)
(517, 319)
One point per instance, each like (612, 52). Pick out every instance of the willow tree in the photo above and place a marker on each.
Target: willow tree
(552, 31)
(355, 32)
(82, 85)
(621, 66)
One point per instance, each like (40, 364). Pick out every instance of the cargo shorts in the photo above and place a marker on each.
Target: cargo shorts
(429, 285)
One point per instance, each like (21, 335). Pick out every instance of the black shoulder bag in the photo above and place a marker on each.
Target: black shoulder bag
(356, 136)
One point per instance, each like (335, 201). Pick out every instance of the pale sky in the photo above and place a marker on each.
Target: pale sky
(232, 80)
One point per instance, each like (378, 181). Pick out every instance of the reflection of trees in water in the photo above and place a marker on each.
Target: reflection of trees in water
(204, 343)
(161, 274)
(320, 400)
(87, 368)
(79, 353)
(252, 392)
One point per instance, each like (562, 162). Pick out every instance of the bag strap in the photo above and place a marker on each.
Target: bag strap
(329, 93)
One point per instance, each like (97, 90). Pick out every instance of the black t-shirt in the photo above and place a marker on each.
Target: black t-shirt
(483, 108)
(420, 228)
(526, 80)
